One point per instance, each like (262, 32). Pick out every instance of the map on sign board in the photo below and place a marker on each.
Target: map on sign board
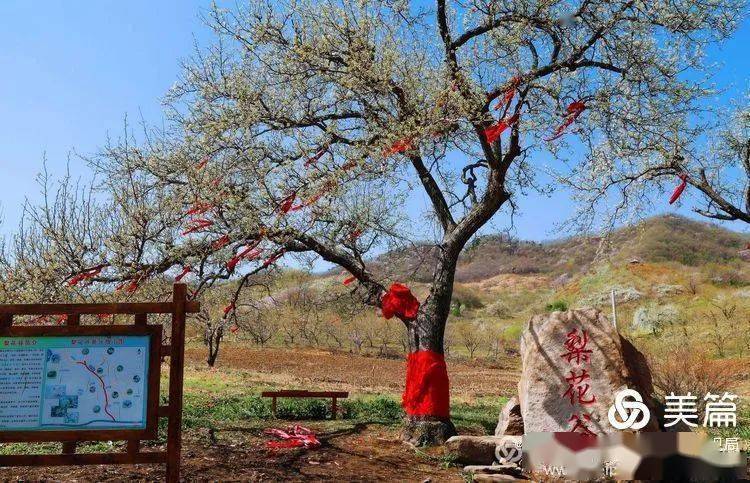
(73, 382)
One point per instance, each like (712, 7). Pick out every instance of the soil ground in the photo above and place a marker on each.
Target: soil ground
(350, 451)
(327, 370)
(360, 453)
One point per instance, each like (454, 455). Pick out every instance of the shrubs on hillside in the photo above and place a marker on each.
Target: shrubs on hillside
(684, 369)
(654, 317)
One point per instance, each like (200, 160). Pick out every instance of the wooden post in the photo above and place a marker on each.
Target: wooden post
(273, 406)
(333, 408)
(176, 374)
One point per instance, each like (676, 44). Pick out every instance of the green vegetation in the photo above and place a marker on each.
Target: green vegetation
(557, 306)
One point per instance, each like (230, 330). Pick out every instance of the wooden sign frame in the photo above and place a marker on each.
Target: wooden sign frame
(175, 351)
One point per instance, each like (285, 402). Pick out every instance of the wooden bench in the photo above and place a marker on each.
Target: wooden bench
(334, 395)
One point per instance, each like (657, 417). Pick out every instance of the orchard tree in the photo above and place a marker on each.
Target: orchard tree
(712, 164)
(303, 130)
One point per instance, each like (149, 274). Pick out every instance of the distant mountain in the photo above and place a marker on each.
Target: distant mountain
(658, 239)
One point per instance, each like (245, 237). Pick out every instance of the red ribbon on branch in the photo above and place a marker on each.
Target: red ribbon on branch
(355, 234)
(184, 272)
(510, 93)
(199, 208)
(273, 258)
(220, 243)
(86, 275)
(197, 225)
(349, 280)
(679, 189)
(427, 391)
(229, 308)
(286, 203)
(400, 146)
(574, 110)
(349, 165)
(314, 158)
(492, 133)
(202, 164)
(399, 301)
(251, 252)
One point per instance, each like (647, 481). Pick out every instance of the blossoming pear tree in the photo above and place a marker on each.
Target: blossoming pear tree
(305, 127)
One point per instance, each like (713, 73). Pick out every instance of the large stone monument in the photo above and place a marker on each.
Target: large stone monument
(574, 363)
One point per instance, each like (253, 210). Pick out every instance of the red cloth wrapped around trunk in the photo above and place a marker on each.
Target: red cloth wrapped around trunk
(427, 387)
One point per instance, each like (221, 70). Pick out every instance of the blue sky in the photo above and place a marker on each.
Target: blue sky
(71, 71)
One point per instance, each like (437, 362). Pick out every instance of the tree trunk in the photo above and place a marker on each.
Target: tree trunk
(426, 398)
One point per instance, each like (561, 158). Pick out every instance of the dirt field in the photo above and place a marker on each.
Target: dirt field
(369, 453)
(354, 373)
(350, 451)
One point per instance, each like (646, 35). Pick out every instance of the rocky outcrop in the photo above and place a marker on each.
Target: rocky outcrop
(574, 362)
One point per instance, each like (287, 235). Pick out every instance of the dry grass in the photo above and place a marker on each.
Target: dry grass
(688, 369)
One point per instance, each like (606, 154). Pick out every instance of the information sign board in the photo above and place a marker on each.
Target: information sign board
(50, 383)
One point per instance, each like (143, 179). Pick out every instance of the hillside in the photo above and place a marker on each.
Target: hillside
(666, 238)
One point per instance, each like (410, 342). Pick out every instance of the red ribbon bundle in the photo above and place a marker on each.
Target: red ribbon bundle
(197, 225)
(679, 189)
(313, 159)
(132, 286)
(314, 198)
(349, 165)
(427, 391)
(400, 146)
(251, 252)
(295, 437)
(510, 93)
(493, 132)
(355, 234)
(350, 280)
(228, 309)
(199, 208)
(273, 258)
(573, 111)
(86, 275)
(220, 243)
(399, 301)
(286, 204)
(184, 272)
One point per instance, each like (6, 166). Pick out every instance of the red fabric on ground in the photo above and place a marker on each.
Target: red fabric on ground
(399, 301)
(427, 387)
(295, 437)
